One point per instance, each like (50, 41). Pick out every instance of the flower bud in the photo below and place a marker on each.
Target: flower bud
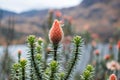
(19, 55)
(19, 52)
(118, 44)
(90, 68)
(40, 40)
(97, 52)
(77, 40)
(112, 77)
(87, 73)
(107, 57)
(16, 66)
(23, 62)
(31, 39)
(62, 74)
(38, 56)
(58, 13)
(56, 32)
(53, 65)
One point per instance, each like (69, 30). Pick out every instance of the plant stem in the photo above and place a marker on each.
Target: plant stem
(52, 75)
(91, 55)
(119, 55)
(55, 51)
(17, 72)
(18, 58)
(23, 73)
(39, 76)
(45, 56)
(73, 63)
(117, 72)
(31, 71)
(45, 62)
(97, 65)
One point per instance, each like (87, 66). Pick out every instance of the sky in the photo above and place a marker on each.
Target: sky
(25, 5)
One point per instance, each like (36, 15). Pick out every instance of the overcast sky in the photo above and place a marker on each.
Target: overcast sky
(24, 5)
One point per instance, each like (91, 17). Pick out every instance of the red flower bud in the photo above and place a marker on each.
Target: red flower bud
(118, 44)
(112, 77)
(107, 57)
(97, 52)
(19, 52)
(56, 32)
(58, 14)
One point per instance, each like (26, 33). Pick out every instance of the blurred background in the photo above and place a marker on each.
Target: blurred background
(97, 21)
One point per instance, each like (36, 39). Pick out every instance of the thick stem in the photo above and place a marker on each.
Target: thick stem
(52, 75)
(39, 76)
(86, 79)
(73, 63)
(23, 73)
(31, 63)
(55, 51)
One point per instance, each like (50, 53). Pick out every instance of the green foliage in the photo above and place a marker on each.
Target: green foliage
(77, 43)
(88, 73)
(31, 39)
(61, 75)
(52, 71)
(86, 36)
(38, 57)
(77, 40)
(16, 72)
(16, 66)
(53, 65)
(23, 62)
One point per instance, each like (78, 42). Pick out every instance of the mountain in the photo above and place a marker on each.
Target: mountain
(87, 3)
(34, 13)
(5, 13)
(99, 16)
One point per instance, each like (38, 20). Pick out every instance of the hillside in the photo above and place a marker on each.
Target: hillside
(99, 16)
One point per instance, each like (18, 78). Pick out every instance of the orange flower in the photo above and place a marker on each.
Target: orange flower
(107, 57)
(56, 32)
(58, 14)
(112, 77)
(118, 44)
